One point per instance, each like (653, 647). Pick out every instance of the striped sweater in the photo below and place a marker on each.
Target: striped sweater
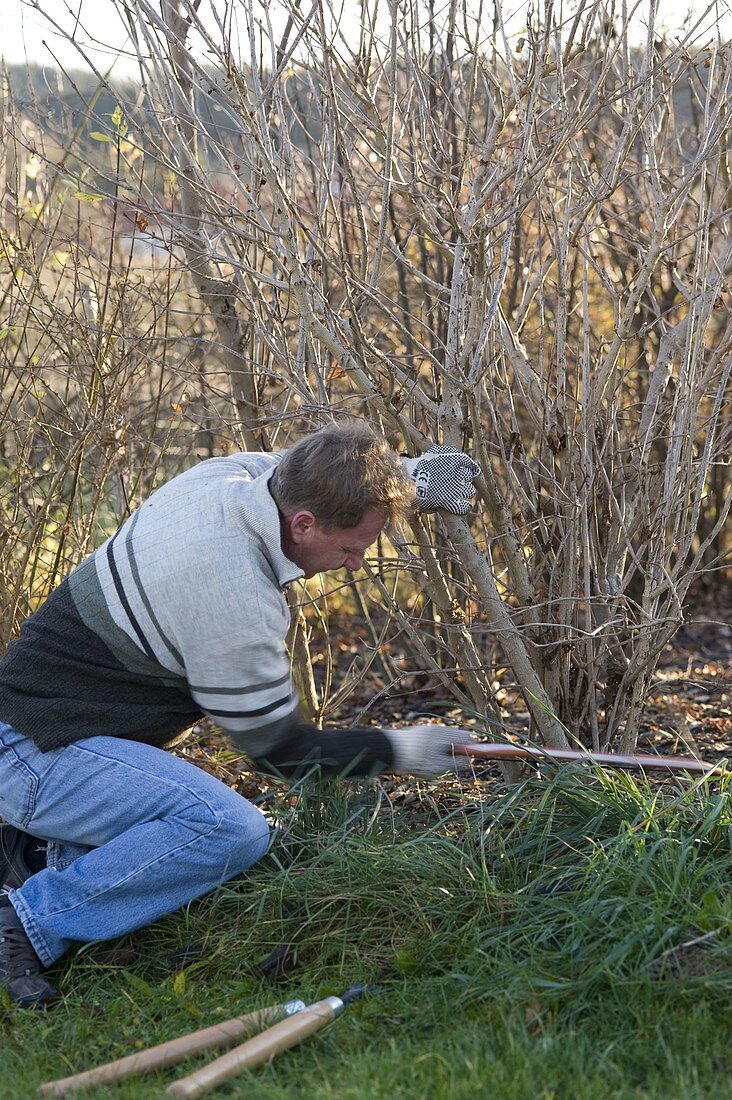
(181, 613)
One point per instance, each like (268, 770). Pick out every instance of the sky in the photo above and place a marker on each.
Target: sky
(26, 34)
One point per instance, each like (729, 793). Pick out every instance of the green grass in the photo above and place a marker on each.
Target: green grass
(529, 944)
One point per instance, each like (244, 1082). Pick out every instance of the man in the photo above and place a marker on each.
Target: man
(181, 613)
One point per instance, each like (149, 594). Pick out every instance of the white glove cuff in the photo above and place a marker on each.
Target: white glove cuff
(427, 751)
(409, 751)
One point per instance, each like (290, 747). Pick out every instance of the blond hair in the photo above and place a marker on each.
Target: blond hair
(339, 473)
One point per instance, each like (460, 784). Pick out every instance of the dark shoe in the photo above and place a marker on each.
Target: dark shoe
(21, 971)
(20, 857)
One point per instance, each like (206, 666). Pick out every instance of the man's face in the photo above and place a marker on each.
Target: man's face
(317, 549)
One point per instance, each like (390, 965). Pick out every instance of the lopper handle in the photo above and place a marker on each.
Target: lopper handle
(502, 751)
(262, 1048)
(167, 1054)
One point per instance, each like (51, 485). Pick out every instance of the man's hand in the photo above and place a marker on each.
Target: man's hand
(426, 751)
(443, 478)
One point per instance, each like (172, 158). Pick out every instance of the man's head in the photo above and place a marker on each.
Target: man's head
(337, 489)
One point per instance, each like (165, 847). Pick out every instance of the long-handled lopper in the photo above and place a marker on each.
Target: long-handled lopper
(644, 761)
(277, 1036)
(175, 1050)
(263, 1048)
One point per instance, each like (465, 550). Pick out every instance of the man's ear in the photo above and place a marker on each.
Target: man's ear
(299, 525)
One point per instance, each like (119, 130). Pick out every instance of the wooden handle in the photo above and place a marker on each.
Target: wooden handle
(167, 1054)
(500, 751)
(262, 1048)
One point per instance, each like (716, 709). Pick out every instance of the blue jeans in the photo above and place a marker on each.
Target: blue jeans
(134, 833)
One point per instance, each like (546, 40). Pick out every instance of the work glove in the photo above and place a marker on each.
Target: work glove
(426, 751)
(443, 478)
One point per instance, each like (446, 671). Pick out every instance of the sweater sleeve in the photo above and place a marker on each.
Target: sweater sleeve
(360, 750)
(243, 683)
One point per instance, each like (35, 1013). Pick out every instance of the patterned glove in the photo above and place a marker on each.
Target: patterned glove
(426, 751)
(444, 479)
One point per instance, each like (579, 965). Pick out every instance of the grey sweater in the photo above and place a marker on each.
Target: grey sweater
(180, 613)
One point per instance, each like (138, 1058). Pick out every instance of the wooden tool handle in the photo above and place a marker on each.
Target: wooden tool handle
(258, 1050)
(167, 1054)
(500, 751)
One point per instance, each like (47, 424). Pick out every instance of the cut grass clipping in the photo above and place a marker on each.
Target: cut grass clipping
(569, 937)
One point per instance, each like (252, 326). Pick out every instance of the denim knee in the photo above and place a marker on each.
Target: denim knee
(246, 842)
(237, 833)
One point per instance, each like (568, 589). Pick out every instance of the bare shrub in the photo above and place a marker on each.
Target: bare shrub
(519, 248)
